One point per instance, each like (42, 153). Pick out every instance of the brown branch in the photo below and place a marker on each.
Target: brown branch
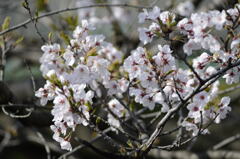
(139, 126)
(192, 69)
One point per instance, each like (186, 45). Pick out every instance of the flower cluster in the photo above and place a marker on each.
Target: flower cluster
(202, 110)
(150, 72)
(73, 75)
(158, 26)
(198, 29)
(180, 83)
(90, 68)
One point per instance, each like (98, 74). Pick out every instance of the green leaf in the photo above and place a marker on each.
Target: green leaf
(36, 13)
(19, 40)
(169, 72)
(129, 143)
(42, 5)
(65, 38)
(24, 4)
(149, 54)
(6, 23)
(98, 120)
(88, 104)
(54, 27)
(50, 36)
(114, 66)
(92, 52)
(72, 21)
(132, 106)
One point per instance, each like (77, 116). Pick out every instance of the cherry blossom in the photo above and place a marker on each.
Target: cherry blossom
(118, 110)
(232, 76)
(223, 109)
(152, 15)
(47, 93)
(90, 70)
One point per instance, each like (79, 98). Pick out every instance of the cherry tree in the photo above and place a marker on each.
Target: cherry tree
(92, 82)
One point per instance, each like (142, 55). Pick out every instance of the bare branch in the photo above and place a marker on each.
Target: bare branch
(191, 155)
(103, 153)
(96, 138)
(46, 146)
(20, 25)
(34, 21)
(192, 69)
(82, 145)
(32, 77)
(226, 142)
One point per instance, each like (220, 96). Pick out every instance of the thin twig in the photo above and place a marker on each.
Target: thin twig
(180, 131)
(226, 142)
(172, 146)
(99, 151)
(170, 132)
(5, 140)
(45, 144)
(192, 69)
(156, 117)
(95, 139)
(34, 21)
(139, 126)
(32, 77)
(149, 115)
(4, 51)
(65, 155)
(23, 24)
(228, 90)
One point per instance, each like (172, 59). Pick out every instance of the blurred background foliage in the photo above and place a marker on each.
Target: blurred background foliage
(24, 141)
